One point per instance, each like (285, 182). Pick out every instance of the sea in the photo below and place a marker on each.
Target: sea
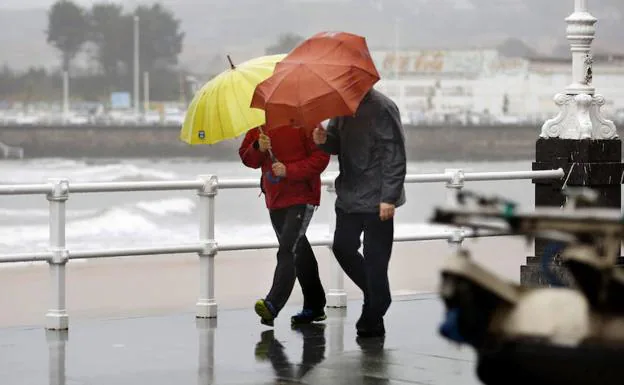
(133, 219)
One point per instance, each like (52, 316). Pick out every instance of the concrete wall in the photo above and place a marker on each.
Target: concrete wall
(423, 142)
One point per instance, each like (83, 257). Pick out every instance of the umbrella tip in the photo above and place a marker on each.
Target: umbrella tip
(231, 63)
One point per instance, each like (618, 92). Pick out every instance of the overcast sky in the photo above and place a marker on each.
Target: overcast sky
(20, 4)
(25, 4)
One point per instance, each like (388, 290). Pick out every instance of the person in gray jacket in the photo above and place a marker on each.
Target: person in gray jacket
(371, 153)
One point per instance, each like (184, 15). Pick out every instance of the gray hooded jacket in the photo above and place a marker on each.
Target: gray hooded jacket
(371, 152)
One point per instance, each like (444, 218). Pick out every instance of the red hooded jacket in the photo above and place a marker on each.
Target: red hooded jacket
(304, 163)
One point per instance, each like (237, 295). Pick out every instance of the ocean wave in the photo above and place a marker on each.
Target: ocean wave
(169, 206)
(118, 173)
(83, 226)
(34, 214)
(111, 223)
(55, 163)
(160, 207)
(81, 172)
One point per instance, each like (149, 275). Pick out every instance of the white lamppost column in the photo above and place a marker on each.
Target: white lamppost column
(580, 116)
(136, 66)
(65, 97)
(146, 93)
(397, 38)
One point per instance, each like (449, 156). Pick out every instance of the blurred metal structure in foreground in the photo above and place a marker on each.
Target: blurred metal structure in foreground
(550, 335)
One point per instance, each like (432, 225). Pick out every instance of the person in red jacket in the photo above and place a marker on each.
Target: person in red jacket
(291, 181)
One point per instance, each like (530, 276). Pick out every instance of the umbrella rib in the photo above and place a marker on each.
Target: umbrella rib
(278, 83)
(220, 124)
(335, 48)
(238, 102)
(229, 115)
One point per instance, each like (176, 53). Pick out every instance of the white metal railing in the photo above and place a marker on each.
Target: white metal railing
(57, 192)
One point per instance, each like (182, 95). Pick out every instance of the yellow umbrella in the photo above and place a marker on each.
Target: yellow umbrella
(220, 109)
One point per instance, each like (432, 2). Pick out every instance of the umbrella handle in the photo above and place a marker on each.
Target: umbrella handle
(271, 178)
(269, 174)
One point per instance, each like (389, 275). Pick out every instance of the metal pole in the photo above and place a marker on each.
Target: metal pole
(453, 186)
(146, 95)
(397, 62)
(396, 49)
(336, 320)
(206, 334)
(207, 304)
(56, 318)
(57, 339)
(136, 66)
(65, 97)
(337, 296)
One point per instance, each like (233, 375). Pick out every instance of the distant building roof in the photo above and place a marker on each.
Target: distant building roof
(599, 58)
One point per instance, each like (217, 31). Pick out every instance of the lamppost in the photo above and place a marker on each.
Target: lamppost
(397, 38)
(65, 114)
(136, 67)
(579, 140)
(580, 116)
(397, 61)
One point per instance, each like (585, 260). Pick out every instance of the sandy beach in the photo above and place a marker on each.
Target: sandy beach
(140, 286)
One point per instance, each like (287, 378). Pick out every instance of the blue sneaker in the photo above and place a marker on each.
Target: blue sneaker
(307, 316)
(266, 311)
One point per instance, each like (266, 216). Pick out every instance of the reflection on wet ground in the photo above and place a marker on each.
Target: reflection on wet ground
(236, 349)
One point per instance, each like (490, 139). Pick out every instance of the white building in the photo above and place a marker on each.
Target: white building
(433, 84)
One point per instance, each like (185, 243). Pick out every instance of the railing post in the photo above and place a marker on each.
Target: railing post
(336, 319)
(337, 296)
(56, 317)
(454, 184)
(57, 340)
(207, 304)
(206, 355)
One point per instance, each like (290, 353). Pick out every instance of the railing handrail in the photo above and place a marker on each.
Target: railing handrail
(236, 183)
(185, 248)
(57, 255)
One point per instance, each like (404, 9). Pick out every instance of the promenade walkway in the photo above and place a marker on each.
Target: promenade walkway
(237, 349)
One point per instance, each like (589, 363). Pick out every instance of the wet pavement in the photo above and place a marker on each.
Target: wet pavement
(237, 349)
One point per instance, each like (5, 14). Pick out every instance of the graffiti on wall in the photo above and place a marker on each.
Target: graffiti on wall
(465, 63)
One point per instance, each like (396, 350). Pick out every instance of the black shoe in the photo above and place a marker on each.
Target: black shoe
(371, 329)
(373, 333)
(308, 329)
(307, 316)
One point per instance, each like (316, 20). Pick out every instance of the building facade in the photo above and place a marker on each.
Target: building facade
(438, 85)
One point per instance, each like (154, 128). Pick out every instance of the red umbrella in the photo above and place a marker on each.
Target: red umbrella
(325, 76)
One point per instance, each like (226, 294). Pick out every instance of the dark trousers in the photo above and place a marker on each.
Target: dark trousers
(369, 271)
(295, 258)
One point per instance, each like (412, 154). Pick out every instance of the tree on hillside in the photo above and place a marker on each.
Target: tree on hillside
(8, 82)
(160, 38)
(67, 30)
(285, 43)
(513, 47)
(106, 24)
